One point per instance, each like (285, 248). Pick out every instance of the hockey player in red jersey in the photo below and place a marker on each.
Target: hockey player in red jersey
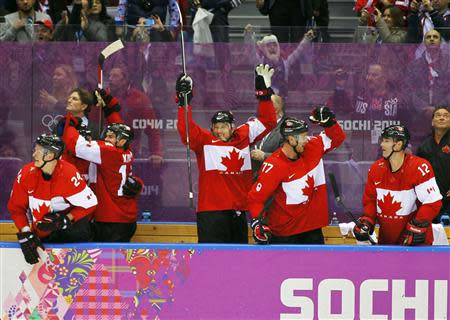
(224, 164)
(116, 189)
(401, 194)
(294, 176)
(56, 196)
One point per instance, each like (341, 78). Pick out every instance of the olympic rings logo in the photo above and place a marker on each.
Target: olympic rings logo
(50, 122)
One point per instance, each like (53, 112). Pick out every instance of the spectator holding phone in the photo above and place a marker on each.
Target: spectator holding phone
(150, 30)
(131, 12)
(389, 26)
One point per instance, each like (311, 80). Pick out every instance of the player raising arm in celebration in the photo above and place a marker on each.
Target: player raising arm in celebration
(224, 164)
(294, 176)
(56, 195)
(401, 194)
(116, 189)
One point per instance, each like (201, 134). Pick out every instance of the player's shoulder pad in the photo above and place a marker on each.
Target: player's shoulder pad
(418, 160)
(378, 166)
(26, 171)
(66, 169)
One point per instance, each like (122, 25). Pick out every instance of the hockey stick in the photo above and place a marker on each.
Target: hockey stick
(109, 50)
(185, 102)
(338, 199)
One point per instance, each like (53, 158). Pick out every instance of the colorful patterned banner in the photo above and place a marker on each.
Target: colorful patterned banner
(226, 282)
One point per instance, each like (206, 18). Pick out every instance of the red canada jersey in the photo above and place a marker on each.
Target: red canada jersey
(113, 165)
(394, 198)
(81, 164)
(298, 187)
(225, 173)
(65, 191)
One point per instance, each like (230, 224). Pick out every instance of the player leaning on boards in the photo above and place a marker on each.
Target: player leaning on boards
(56, 195)
(117, 190)
(294, 176)
(401, 194)
(224, 164)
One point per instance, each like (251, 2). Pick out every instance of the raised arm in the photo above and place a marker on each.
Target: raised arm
(184, 87)
(266, 119)
(332, 136)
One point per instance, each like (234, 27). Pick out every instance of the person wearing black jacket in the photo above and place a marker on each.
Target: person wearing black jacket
(288, 18)
(436, 149)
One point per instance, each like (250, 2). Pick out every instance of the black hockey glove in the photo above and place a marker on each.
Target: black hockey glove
(132, 187)
(28, 243)
(261, 232)
(105, 100)
(323, 116)
(363, 229)
(263, 76)
(184, 87)
(85, 132)
(54, 221)
(415, 232)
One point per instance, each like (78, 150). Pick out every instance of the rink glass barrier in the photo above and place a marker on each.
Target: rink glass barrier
(137, 281)
(36, 78)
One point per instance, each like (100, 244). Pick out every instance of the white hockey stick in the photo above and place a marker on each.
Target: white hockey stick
(109, 50)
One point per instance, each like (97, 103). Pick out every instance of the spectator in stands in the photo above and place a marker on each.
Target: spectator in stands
(219, 26)
(340, 101)
(377, 99)
(389, 27)
(268, 52)
(52, 103)
(294, 176)
(156, 32)
(436, 149)
(263, 149)
(220, 33)
(321, 17)
(57, 197)
(427, 15)
(131, 11)
(86, 23)
(53, 8)
(136, 107)
(428, 76)
(44, 30)
(19, 25)
(288, 19)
